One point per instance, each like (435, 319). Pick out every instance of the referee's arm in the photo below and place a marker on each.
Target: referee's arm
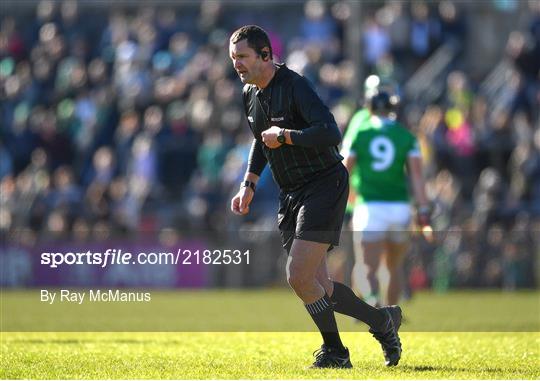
(323, 130)
(256, 162)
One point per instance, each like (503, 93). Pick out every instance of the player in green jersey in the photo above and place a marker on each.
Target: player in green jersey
(379, 154)
(372, 85)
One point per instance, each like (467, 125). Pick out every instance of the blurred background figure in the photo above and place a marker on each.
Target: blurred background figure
(378, 155)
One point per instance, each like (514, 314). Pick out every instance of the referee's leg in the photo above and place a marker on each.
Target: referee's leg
(302, 266)
(304, 260)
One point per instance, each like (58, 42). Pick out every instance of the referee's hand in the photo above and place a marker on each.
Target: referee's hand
(269, 137)
(240, 202)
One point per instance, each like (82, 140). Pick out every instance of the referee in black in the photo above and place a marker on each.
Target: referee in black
(297, 136)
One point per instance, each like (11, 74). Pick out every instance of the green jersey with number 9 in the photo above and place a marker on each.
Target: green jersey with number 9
(381, 147)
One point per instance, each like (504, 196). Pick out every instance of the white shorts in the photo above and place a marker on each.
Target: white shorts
(381, 220)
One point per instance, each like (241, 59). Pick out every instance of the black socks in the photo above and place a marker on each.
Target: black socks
(343, 301)
(347, 303)
(322, 313)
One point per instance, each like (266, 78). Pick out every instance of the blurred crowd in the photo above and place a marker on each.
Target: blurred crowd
(121, 119)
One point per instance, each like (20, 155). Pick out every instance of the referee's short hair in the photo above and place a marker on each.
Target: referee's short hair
(256, 37)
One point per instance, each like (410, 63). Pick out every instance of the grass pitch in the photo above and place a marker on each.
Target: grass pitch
(262, 356)
(275, 310)
(280, 355)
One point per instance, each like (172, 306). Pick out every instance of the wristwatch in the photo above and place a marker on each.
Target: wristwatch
(281, 137)
(249, 184)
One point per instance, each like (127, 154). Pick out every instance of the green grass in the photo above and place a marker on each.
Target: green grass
(275, 310)
(262, 356)
(462, 352)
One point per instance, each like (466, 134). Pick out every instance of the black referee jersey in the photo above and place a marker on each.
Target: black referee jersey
(290, 102)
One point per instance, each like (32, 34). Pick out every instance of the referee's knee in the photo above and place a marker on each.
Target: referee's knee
(298, 280)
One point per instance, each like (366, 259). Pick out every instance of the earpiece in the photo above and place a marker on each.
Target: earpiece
(264, 55)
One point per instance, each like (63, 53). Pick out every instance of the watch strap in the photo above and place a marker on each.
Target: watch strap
(247, 183)
(281, 136)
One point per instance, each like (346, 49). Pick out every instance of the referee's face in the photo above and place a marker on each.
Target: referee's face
(246, 62)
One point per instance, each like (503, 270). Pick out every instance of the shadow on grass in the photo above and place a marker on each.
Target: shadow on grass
(443, 368)
(91, 341)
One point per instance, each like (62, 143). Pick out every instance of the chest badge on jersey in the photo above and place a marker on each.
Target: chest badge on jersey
(250, 118)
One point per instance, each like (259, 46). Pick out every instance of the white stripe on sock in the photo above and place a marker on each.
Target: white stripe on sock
(317, 306)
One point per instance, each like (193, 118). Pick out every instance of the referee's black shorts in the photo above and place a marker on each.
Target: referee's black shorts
(315, 212)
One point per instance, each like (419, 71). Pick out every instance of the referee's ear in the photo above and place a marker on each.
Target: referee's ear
(265, 54)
